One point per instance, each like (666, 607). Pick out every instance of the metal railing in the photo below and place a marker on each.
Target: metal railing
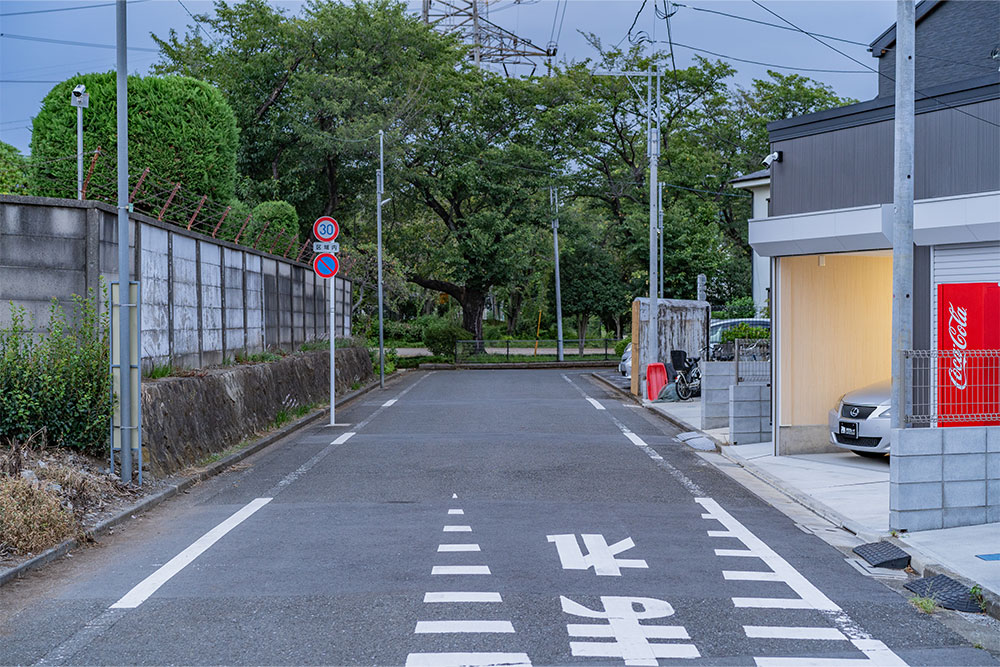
(594, 349)
(952, 387)
(753, 360)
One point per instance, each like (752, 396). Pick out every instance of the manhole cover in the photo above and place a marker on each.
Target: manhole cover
(883, 554)
(947, 592)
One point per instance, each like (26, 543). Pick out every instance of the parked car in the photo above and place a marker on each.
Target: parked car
(860, 422)
(717, 327)
(625, 365)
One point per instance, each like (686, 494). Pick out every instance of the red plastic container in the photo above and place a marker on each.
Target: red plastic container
(656, 379)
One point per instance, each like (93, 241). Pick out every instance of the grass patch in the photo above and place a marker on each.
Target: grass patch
(259, 357)
(927, 605)
(413, 362)
(160, 371)
(311, 345)
(31, 519)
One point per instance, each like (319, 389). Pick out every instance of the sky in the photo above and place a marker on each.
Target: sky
(29, 68)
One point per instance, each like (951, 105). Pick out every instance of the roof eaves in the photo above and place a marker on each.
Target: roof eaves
(888, 38)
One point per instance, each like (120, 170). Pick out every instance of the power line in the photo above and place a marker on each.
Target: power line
(773, 25)
(849, 57)
(197, 23)
(757, 62)
(561, 20)
(67, 42)
(67, 9)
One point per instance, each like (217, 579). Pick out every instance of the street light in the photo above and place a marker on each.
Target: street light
(81, 100)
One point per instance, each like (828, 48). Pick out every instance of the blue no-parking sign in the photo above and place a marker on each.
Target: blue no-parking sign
(326, 265)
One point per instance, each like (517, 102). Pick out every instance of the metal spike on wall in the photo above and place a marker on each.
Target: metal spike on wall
(469, 19)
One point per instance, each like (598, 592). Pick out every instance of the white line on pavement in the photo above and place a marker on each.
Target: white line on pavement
(458, 596)
(739, 553)
(743, 575)
(771, 603)
(458, 547)
(447, 627)
(460, 569)
(456, 511)
(150, 584)
(468, 660)
(593, 401)
(389, 402)
(458, 529)
(344, 437)
(876, 653)
(784, 632)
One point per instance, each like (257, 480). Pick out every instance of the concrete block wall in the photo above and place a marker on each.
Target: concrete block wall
(204, 299)
(716, 378)
(944, 477)
(749, 413)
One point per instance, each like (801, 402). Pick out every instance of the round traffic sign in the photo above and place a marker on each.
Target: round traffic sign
(325, 229)
(326, 265)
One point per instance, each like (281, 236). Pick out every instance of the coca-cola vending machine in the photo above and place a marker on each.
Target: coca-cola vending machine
(968, 378)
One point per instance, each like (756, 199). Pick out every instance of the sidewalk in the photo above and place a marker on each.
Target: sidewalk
(853, 493)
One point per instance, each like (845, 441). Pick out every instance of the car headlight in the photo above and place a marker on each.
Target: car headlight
(840, 401)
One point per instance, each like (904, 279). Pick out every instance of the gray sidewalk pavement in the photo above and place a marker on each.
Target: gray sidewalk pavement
(852, 492)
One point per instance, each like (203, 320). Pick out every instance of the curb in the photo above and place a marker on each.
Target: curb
(513, 366)
(919, 561)
(152, 501)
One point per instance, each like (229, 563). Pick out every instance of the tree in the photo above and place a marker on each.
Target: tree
(13, 171)
(589, 286)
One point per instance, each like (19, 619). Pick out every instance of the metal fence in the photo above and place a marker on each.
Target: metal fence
(753, 360)
(952, 387)
(594, 349)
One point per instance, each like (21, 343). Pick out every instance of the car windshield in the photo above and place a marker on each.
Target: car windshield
(715, 333)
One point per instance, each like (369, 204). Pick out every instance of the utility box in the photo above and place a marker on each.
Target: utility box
(682, 324)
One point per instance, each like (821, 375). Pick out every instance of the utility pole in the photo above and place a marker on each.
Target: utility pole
(554, 202)
(477, 36)
(124, 284)
(902, 225)
(379, 189)
(659, 215)
(653, 152)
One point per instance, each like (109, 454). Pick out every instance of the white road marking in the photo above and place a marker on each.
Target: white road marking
(600, 554)
(742, 575)
(460, 569)
(458, 547)
(344, 437)
(448, 627)
(457, 596)
(648, 631)
(458, 529)
(468, 660)
(390, 402)
(595, 403)
(810, 597)
(739, 553)
(150, 584)
(454, 496)
(456, 511)
(784, 632)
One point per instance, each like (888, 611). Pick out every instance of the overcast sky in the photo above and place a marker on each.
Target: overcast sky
(29, 69)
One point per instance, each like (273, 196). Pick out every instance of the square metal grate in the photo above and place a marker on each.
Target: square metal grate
(947, 592)
(883, 554)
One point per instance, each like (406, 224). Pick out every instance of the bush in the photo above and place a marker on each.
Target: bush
(179, 127)
(279, 223)
(440, 338)
(13, 171)
(620, 347)
(31, 520)
(739, 308)
(58, 381)
(746, 332)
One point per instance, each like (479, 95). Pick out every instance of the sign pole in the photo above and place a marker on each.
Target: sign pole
(332, 283)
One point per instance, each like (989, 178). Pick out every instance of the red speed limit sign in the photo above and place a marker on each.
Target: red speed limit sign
(325, 228)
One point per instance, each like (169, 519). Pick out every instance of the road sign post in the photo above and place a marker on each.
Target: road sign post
(326, 266)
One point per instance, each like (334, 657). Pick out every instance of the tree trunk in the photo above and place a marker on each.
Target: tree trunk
(514, 312)
(473, 304)
(581, 330)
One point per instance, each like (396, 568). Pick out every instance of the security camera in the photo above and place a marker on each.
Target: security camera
(773, 157)
(79, 90)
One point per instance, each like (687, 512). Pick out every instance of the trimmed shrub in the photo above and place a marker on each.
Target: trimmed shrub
(13, 171)
(620, 347)
(279, 223)
(746, 332)
(739, 308)
(179, 127)
(59, 380)
(440, 337)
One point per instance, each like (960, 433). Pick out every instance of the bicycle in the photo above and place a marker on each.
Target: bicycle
(688, 380)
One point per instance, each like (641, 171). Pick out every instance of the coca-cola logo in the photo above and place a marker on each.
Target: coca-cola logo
(958, 332)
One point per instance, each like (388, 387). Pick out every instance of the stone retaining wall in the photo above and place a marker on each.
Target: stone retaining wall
(185, 419)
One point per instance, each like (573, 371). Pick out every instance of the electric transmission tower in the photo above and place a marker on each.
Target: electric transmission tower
(469, 19)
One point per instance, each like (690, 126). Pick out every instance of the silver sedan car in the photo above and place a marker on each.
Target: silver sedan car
(625, 365)
(860, 422)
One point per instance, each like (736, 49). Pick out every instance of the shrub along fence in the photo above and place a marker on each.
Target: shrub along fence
(203, 299)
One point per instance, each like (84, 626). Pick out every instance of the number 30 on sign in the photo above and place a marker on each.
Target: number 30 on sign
(325, 228)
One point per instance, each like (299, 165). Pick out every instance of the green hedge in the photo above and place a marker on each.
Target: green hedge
(58, 381)
(13, 171)
(744, 331)
(440, 337)
(276, 219)
(181, 128)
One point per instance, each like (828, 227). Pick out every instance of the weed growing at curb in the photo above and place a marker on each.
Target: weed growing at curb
(927, 605)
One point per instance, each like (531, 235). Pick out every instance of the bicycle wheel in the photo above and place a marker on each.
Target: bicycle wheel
(683, 388)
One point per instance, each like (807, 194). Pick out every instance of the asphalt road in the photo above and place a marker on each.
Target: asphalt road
(473, 517)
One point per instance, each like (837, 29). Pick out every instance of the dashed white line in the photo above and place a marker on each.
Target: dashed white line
(462, 596)
(390, 402)
(458, 547)
(344, 437)
(456, 511)
(468, 660)
(595, 403)
(458, 529)
(742, 575)
(784, 632)
(460, 569)
(150, 584)
(449, 627)
(738, 553)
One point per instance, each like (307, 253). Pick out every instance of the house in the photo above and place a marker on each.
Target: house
(827, 232)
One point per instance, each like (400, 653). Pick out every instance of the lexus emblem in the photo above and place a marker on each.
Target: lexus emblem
(855, 412)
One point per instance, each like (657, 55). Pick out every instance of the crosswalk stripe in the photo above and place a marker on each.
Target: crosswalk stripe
(446, 627)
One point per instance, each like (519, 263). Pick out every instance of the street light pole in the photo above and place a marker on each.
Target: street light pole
(80, 99)
(554, 201)
(379, 189)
